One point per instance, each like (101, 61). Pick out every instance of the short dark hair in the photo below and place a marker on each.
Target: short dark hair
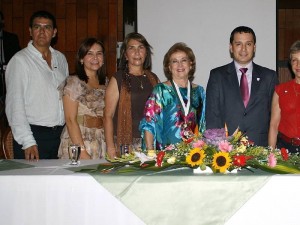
(179, 47)
(242, 29)
(1, 16)
(140, 38)
(1, 20)
(42, 14)
(84, 47)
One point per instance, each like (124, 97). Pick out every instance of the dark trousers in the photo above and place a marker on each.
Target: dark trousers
(283, 144)
(47, 139)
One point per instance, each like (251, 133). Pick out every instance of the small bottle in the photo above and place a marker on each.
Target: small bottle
(126, 149)
(121, 150)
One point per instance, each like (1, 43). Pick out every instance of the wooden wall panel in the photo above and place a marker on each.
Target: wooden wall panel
(81, 30)
(61, 34)
(120, 28)
(71, 56)
(81, 8)
(281, 46)
(285, 74)
(60, 9)
(18, 8)
(71, 1)
(49, 6)
(18, 28)
(112, 38)
(103, 8)
(8, 16)
(92, 20)
(76, 20)
(103, 28)
(71, 24)
(103, 23)
(28, 9)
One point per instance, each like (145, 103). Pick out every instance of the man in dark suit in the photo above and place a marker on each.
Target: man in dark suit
(9, 45)
(224, 101)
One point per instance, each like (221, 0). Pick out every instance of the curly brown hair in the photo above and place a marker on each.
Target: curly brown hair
(179, 47)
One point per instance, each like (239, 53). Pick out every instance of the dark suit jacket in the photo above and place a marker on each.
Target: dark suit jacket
(11, 45)
(224, 103)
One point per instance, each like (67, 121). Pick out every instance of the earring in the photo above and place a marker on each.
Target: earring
(81, 62)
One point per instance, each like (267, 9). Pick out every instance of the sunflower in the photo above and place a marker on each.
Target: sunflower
(195, 157)
(221, 161)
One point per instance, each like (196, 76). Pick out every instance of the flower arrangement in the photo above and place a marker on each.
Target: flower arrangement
(213, 149)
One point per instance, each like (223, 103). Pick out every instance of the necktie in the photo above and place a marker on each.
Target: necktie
(244, 86)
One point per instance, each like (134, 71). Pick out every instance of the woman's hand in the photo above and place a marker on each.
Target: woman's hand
(112, 153)
(84, 155)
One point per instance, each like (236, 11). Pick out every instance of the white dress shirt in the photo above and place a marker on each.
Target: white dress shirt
(32, 96)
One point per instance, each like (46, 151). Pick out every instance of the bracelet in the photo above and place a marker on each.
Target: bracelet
(149, 147)
(151, 153)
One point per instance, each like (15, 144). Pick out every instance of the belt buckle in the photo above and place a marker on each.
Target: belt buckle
(295, 141)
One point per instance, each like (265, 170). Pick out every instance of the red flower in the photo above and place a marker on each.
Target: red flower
(159, 158)
(284, 154)
(240, 160)
(189, 140)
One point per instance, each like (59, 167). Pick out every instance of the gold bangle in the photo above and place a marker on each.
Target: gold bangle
(151, 152)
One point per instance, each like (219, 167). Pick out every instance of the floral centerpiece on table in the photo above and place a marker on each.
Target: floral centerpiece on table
(213, 149)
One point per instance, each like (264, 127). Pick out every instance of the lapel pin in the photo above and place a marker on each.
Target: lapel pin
(258, 79)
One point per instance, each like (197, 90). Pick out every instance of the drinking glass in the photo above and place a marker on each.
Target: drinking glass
(74, 153)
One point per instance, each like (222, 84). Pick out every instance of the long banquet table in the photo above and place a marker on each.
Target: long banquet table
(51, 192)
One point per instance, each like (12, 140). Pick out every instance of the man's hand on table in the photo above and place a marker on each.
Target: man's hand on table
(32, 153)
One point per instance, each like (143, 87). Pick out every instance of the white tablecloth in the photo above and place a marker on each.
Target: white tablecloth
(48, 194)
(276, 203)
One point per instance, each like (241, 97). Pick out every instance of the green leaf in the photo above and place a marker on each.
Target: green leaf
(280, 168)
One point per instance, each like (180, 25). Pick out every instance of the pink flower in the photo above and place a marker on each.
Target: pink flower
(170, 147)
(151, 109)
(198, 144)
(272, 161)
(225, 146)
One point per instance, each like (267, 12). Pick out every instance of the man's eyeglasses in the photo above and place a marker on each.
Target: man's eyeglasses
(40, 26)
